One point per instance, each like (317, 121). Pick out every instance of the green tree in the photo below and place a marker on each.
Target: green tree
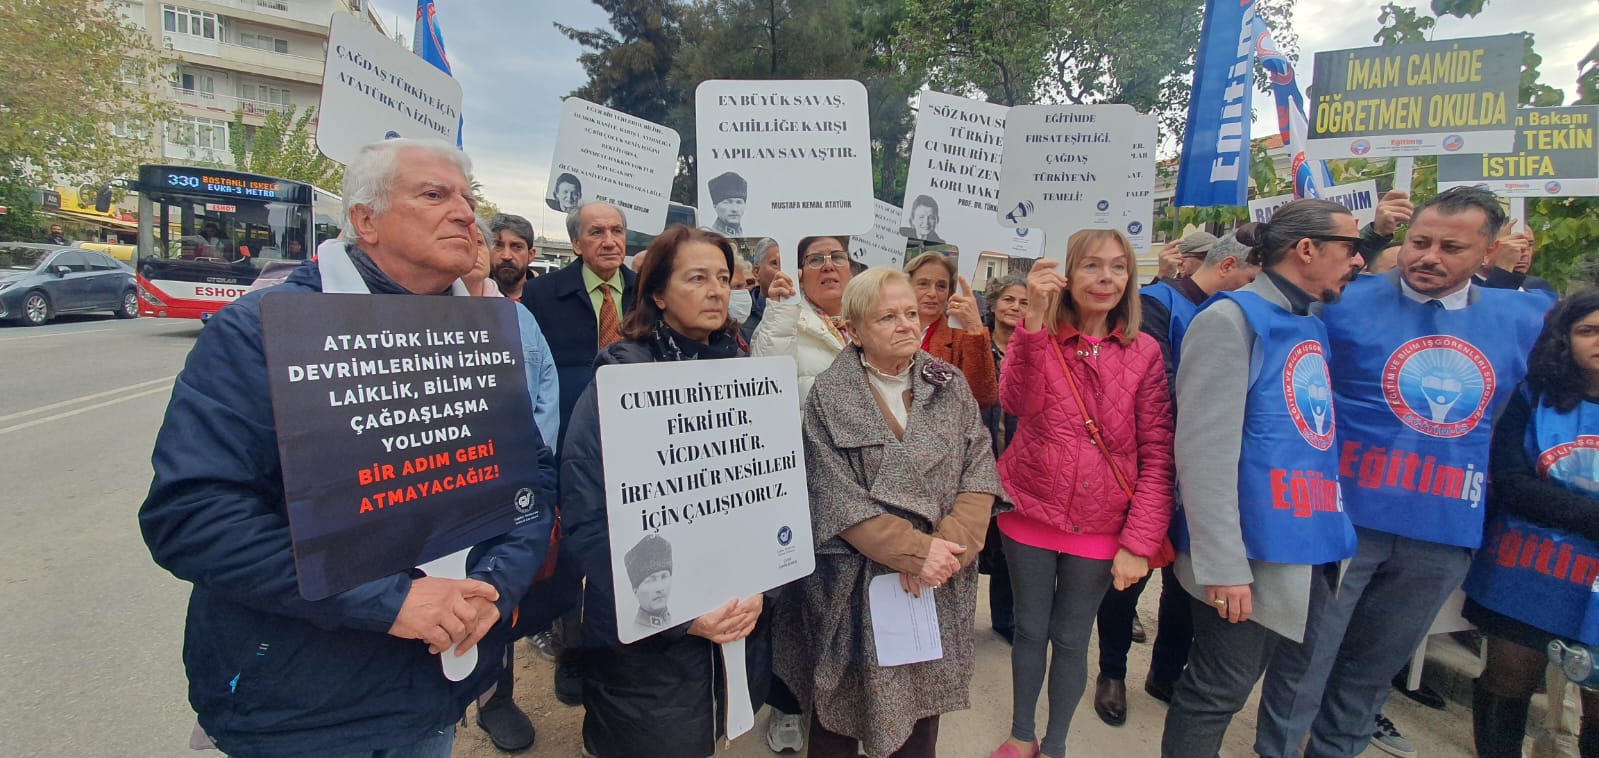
(1588, 77)
(22, 221)
(486, 209)
(994, 50)
(629, 68)
(890, 86)
(1017, 52)
(1567, 228)
(1402, 25)
(73, 71)
(283, 146)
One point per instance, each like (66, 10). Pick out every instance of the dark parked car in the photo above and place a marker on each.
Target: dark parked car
(40, 282)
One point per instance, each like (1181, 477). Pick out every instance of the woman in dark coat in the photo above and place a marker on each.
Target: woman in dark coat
(663, 696)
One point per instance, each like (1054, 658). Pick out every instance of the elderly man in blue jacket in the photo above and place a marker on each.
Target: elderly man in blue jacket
(271, 673)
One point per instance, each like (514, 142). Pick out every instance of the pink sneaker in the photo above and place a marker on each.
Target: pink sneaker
(1008, 749)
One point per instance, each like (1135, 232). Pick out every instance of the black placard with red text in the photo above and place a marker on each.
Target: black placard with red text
(399, 419)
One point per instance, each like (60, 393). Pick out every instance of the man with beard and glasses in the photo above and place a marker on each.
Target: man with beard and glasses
(1422, 360)
(1259, 536)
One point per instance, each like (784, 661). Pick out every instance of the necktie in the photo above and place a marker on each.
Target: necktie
(1435, 304)
(610, 322)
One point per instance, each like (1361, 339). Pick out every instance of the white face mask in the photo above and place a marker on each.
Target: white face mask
(738, 306)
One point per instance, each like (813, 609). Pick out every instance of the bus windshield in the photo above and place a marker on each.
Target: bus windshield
(205, 234)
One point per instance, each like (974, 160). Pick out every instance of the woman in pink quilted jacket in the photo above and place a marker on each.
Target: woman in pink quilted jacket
(1085, 517)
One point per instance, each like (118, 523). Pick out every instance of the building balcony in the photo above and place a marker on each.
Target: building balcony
(224, 106)
(212, 156)
(308, 16)
(231, 57)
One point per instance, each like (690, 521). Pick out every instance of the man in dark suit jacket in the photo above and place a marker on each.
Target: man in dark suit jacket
(570, 303)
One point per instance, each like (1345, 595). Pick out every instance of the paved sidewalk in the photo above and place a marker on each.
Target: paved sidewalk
(974, 733)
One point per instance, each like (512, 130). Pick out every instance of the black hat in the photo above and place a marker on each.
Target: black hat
(729, 185)
(651, 554)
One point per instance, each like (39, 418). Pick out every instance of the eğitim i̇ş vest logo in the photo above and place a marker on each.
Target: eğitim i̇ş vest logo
(1574, 463)
(1438, 385)
(1308, 389)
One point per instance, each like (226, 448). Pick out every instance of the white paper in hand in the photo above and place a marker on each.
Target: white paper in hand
(905, 626)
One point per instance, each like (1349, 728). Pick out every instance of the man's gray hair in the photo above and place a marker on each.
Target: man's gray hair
(762, 248)
(574, 217)
(1226, 247)
(370, 177)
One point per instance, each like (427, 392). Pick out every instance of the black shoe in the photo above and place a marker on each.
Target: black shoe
(1425, 695)
(509, 728)
(1161, 691)
(568, 684)
(1139, 636)
(1110, 700)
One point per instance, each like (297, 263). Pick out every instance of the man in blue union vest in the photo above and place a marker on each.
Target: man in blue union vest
(1421, 361)
(1263, 526)
(1169, 305)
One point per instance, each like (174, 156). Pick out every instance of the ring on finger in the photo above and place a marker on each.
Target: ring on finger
(1220, 602)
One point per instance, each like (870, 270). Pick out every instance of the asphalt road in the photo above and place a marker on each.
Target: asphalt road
(92, 629)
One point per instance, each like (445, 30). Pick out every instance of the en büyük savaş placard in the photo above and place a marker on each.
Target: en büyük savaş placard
(704, 486)
(952, 186)
(608, 156)
(404, 429)
(1429, 98)
(373, 89)
(1555, 156)
(783, 159)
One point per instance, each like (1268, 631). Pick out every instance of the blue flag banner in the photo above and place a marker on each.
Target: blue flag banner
(1214, 168)
(428, 37)
(429, 44)
(1310, 177)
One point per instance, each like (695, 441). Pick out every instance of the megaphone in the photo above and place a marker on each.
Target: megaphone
(1021, 211)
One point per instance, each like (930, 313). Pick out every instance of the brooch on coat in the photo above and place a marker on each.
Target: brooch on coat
(937, 372)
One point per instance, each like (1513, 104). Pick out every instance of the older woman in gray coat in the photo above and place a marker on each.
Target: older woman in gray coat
(902, 478)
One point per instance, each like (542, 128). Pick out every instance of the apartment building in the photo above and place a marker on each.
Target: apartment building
(257, 56)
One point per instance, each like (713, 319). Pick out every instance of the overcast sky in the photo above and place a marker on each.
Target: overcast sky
(515, 66)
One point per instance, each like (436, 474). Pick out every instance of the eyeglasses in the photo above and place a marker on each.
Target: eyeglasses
(1354, 242)
(838, 259)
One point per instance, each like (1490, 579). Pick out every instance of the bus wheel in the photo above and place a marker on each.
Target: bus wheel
(130, 305)
(35, 309)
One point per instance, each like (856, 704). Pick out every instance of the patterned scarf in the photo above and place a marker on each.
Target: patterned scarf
(834, 324)
(667, 345)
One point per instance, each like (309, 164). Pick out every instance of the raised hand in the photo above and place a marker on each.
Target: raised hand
(1044, 286)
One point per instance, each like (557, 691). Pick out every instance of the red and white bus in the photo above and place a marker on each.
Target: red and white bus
(206, 234)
